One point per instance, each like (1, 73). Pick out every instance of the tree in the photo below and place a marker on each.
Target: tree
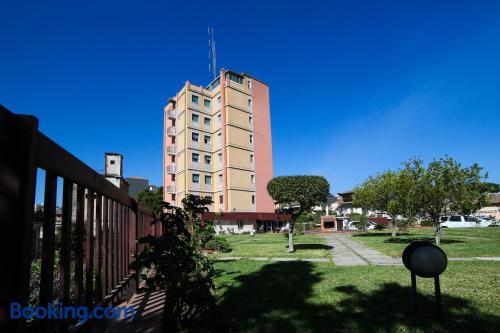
(360, 221)
(389, 192)
(489, 187)
(306, 191)
(151, 199)
(445, 187)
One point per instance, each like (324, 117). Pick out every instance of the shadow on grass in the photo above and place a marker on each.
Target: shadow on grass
(277, 299)
(413, 239)
(312, 247)
(380, 234)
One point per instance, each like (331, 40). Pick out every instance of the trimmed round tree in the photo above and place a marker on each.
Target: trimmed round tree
(304, 192)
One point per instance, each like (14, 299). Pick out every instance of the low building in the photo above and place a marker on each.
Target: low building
(492, 209)
(237, 223)
(136, 185)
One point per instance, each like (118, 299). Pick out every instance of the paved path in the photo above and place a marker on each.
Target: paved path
(348, 252)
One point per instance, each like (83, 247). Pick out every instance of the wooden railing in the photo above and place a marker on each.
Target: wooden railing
(93, 260)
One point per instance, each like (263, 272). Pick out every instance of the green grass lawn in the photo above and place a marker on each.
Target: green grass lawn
(456, 242)
(321, 297)
(276, 245)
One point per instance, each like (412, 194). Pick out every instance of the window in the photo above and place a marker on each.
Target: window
(249, 84)
(196, 178)
(195, 118)
(249, 103)
(220, 157)
(195, 136)
(206, 104)
(220, 179)
(240, 224)
(444, 219)
(219, 119)
(208, 180)
(207, 121)
(219, 101)
(195, 157)
(252, 179)
(207, 139)
(251, 138)
(209, 198)
(111, 162)
(236, 78)
(253, 199)
(173, 197)
(208, 159)
(214, 84)
(456, 218)
(471, 219)
(221, 199)
(194, 99)
(250, 121)
(219, 138)
(251, 158)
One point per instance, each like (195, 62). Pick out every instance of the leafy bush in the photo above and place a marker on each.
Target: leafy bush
(380, 226)
(218, 244)
(181, 269)
(406, 223)
(360, 221)
(426, 223)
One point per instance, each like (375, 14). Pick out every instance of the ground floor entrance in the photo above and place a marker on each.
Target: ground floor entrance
(270, 225)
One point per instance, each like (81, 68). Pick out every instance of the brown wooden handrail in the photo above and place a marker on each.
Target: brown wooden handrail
(107, 223)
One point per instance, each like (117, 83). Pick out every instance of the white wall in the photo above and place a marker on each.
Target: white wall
(226, 226)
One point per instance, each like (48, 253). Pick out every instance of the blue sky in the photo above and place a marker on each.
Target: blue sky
(356, 86)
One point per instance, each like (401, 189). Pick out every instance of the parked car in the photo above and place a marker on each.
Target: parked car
(461, 221)
(351, 225)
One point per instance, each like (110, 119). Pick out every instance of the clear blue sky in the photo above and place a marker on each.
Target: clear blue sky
(356, 86)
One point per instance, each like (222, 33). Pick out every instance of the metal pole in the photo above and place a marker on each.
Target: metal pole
(414, 292)
(437, 291)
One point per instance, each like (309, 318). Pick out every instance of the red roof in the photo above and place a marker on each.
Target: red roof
(379, 220)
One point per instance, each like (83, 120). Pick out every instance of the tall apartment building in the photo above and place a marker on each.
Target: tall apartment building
(217, 144)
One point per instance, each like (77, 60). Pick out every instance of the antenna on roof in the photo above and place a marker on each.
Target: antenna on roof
(212, 55)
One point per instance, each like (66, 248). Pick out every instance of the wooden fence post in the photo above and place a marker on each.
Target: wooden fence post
(18, 137)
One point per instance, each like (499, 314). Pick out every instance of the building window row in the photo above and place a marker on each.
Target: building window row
(196, 179)
(195, 137)
(195, 99)
(195, 157)
(236, 78)
(196, 119)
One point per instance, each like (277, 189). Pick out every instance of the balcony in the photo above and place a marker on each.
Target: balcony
(171, 169)
(171, 150)
(171, 114)
(171, 189)
(171, 131)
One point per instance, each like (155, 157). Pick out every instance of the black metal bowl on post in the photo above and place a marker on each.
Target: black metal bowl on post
(425, 259)
(428, 261)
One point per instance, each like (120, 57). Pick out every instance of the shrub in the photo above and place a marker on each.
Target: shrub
(380, 226)
(218, 244)
(426, 223)
(181, 269)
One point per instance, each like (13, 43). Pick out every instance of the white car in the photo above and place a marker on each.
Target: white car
(460, 221)
(351, 225)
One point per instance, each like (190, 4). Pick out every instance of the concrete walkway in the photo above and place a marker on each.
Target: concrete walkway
(348, 252)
